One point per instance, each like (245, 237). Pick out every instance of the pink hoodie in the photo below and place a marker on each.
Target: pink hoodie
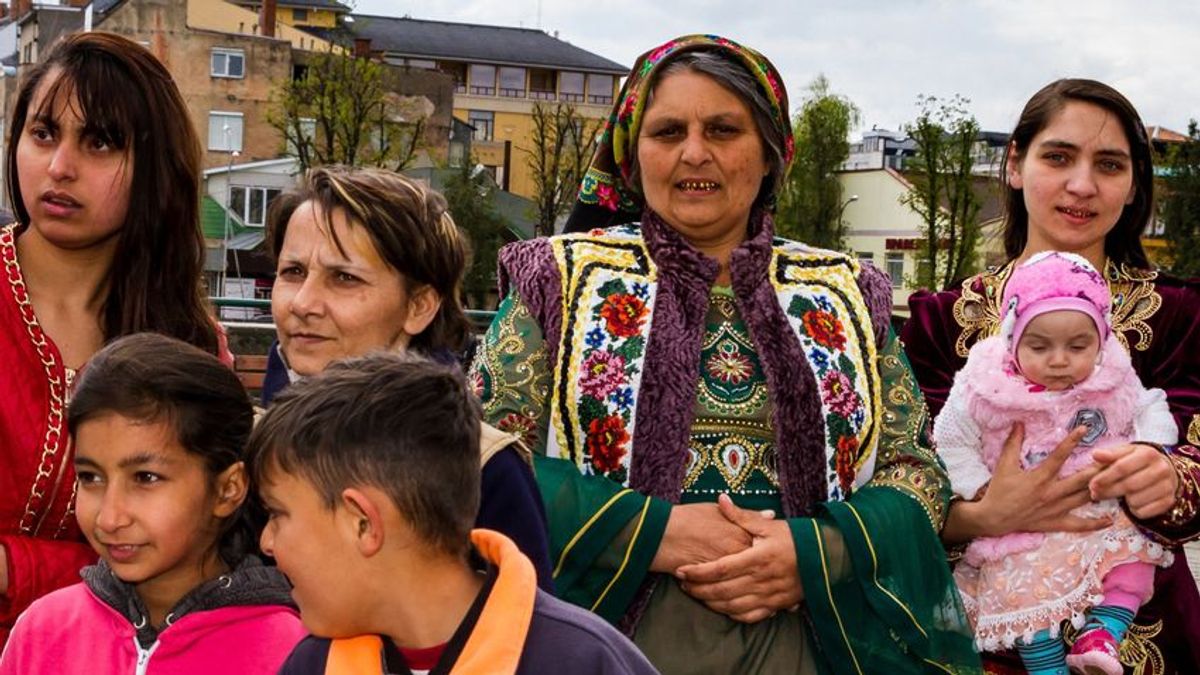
(73, 631)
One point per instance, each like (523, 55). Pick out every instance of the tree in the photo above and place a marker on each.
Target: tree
(810, 200)
(943, 191)
(340, 111)
(1181, 204)
(563, 143)
(468, 195)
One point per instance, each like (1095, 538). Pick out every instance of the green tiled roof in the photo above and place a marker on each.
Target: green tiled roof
(212, 220)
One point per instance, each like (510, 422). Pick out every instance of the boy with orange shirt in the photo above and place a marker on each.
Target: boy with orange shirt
(370, 473)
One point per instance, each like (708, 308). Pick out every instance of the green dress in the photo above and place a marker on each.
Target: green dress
(868, 568)
(732, 450)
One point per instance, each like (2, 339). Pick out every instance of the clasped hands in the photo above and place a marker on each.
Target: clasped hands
(1038, 500)
(738, 562)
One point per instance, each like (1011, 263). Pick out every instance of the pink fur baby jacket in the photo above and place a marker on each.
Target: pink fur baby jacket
(1064, 570)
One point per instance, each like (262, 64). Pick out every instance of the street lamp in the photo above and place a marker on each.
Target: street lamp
(225, 130)
(842, 208)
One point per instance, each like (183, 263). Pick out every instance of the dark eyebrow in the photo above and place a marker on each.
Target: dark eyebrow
(143, 458)
(723, 117)
(45, 120)
(1061, 145)
(1067, 145)
(138, 460)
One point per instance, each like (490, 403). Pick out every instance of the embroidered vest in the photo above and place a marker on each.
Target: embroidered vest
(609, 283)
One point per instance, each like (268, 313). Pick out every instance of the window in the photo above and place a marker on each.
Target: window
(570, 86)
(512, 82)
(299, 15)
(894, 263)
(541, 84)
(600, 88)
(250, 203)
(865, 256)
(484, 122)
(228, 63)
(225, 131)
(424, 64)
(483, 80)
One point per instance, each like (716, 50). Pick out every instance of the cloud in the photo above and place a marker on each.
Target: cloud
(882, 55)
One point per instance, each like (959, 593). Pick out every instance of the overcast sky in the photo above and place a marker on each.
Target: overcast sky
(883, 54)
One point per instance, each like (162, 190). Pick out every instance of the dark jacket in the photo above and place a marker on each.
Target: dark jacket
(560, 638)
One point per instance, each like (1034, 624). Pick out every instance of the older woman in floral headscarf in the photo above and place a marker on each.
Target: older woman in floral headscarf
(662, 365)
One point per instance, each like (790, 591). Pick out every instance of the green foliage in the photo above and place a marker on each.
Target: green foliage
(562, 145)
(810, 205)
(469, 198)
(1180, 210)
(943, 193)
(341, 112)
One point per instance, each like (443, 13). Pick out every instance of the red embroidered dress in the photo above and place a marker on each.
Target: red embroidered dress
(44, 546)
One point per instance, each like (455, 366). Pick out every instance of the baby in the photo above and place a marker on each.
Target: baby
(1056, 365)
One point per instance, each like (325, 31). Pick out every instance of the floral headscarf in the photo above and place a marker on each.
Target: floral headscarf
(606, 195)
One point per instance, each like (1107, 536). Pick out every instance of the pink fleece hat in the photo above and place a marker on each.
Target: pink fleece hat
(1052, 281)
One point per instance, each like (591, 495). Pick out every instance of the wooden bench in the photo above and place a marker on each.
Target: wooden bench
(251, 369)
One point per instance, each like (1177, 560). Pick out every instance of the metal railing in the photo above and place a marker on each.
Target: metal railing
(479, 317)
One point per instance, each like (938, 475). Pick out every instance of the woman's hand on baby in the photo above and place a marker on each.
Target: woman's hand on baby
(1140, 474)
(1033, 500)
(697, 533)
(755, 583)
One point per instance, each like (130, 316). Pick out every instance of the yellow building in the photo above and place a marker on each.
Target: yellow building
(883, 230)
(306, 14)
(500, 74)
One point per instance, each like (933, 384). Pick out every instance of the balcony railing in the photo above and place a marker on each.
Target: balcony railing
(480, 318)
(534, 94)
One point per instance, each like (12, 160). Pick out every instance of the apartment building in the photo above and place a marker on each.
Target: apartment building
(499, 73)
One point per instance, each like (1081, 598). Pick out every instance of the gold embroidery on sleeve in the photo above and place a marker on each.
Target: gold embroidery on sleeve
(1134, 301)
(905, 461)
(978, 311)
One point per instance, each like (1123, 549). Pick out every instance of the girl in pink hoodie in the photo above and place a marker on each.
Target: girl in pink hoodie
(1056, 366)
(159, 428)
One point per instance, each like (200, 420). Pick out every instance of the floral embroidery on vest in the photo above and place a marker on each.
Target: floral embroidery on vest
(609, 285)
(608, 288)
(841, 353)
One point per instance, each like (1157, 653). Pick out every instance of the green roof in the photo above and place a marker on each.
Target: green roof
(213, 220)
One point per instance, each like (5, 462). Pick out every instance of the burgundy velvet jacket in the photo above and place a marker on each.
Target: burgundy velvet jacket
(1158, 318)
